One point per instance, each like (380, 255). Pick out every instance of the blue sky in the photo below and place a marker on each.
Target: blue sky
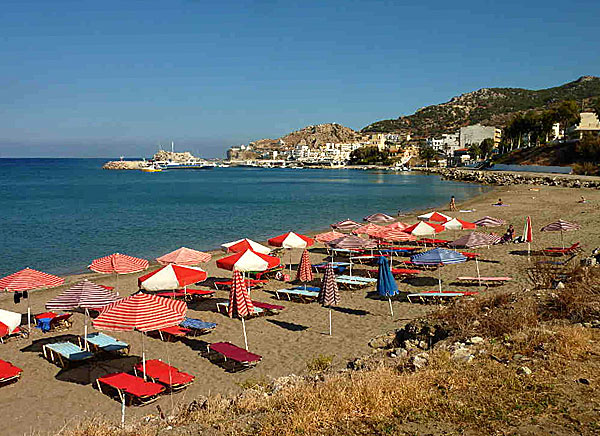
(105, 78)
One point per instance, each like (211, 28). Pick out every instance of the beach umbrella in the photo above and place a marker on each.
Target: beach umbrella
(561, 226)
(171, 277)
(438, 256)
(458, 224)
(345, 225)
(240, 304)
(328, 236)
(352, 242)
(305, 273)
(386, 285)
(28, 280)
(424, 228)
(118, 263)
(380, 218)
(369, 230)
(10, 321)
(435, 216)
(528, 235)
(248, 261)
(244, 244)
(141, 312)
(396, 235)
(291, 240)
(329, 295)
(475, 239)
(396, 226)
(488, 221)
(184, 256)
(83, 295)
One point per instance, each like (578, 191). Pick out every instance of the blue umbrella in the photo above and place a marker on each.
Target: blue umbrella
(386, 285)
(438, 256)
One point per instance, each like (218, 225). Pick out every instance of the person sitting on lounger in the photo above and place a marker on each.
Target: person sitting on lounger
(509, 235)
(582, 200)
(499, 203)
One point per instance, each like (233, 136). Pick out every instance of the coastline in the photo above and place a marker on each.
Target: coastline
(291, 339)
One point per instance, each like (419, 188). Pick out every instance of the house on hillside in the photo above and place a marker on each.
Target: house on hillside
(589, 123)
(475, 134)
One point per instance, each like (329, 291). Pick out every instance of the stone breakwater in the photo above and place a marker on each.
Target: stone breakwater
(506, 178)
(124, 165)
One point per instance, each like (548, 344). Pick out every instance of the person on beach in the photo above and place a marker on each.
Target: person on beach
(583, 200)
(452, 203)
(499, 203)
(509, 235)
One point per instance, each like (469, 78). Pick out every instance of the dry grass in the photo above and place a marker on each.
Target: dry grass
(579, 301)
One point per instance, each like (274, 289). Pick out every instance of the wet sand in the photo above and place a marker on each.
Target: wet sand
(48, 398)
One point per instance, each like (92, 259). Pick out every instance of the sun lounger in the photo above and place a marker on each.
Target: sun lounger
(250, 283)
(188, 294)
(307, 288)
(63, 353)
(130, 389)
(338, 267)
(273, 308)
(170, 334)
(488, 281)
(557, 251)
(102, 342)
(165, 374)
(358, 278)
(9, 373)
(404, 272)
(469, 255)
(436, 295)
(297, 294)
(270, 273)
(556, 262)
(433, 242)
(238, 357)
(52, 321)
(224, 307)
(354, 282)
(197, 327)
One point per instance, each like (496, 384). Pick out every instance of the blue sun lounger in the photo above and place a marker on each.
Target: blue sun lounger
(62, 353)
(101, 342)
(307, 288)
(305, 296)
(198, 326)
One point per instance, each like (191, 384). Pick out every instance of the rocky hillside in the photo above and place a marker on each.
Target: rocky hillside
(311, 135)
(488, 106)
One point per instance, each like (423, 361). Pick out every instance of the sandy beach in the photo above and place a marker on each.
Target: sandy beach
(47, 398)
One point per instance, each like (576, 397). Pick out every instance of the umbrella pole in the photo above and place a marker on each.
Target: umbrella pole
(528, 251)
(478, 275)
(561, 239)
(245, 337)
(28, 314)
(391, 310)
(440, 278)
(122, 411)
(85, 329)
(329, 321)
(143, 356)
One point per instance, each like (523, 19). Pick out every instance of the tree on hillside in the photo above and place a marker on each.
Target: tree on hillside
(596, 106)
(369, 156)
(567, 114)
(474, 151)
(486, 147)
(427, 154)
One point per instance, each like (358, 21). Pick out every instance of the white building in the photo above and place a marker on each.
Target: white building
(475, 134)
(448, 143)
(589, 123)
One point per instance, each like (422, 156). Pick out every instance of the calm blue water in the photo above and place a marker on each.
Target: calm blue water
(59, 214)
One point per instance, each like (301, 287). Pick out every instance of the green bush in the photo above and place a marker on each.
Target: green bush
(320, 363)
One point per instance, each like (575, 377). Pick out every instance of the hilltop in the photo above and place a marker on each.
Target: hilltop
(312, 136)
(488, 106)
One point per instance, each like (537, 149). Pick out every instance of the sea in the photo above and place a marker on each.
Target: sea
(59, 214)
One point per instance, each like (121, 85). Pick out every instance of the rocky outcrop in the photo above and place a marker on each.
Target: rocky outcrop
(173, 156)
(505, 178)
(124, 165)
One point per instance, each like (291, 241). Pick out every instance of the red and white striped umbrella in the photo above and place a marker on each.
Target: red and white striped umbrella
(424, 228)
(84, 295)
(488, 221)
(352, 242)
(245, 244)
(458, 224)
(397, 226)
(560, 226)
(345, 225)
(291, 240)
(328, 236)
(397, 236)
(379, 218)
(305, 273)
(435, 216)
(142, 312)
(475, 239)
(248, 261)
(329, 295)
(29, 279)
(370, 230)
(527, 230)
(171, 277)
(184, 256)
(118, 263)
(240, 304)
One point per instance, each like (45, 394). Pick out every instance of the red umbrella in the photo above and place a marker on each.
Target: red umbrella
(243, 245)
(345, 225)
(27, 280)
(171, 277)
(328, 236)
(248, 261)
(305, 273)
(369, 229)
(240, 304)
(424, 228)
(118, 263)
(396, 226)
(141, 312)
(396, 235)
(528, 234)
(291, 240)
(184, 256)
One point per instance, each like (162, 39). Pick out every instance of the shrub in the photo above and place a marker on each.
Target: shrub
(320, 363)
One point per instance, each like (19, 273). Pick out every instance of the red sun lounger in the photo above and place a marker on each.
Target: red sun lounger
(130, 389)
(398, 271)
(267, 306)
(170, 334)
(238, 356)
(165, 374)
(189, 294)
(9, 373)
(557, 251)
